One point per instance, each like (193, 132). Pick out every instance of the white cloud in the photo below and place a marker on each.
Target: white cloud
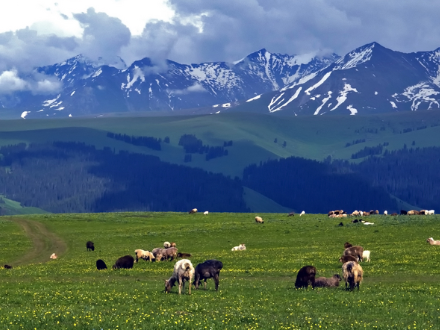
(10, 82)
(196, 88)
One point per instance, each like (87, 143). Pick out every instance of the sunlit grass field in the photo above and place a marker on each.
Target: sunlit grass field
(401, 287)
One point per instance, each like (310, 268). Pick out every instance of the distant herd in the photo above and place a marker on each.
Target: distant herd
(184, 271)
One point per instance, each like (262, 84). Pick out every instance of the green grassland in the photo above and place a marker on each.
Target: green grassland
(314, 137)
(400, 289)
(10, 207)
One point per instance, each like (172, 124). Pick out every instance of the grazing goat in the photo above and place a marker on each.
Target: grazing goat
(205, 213)
(353, 274)
(183, 271)
(53, 256)
(345, 259)
(355, 251)
(432, 241)
(241, 247)
(166, 245)
(90, 246)
(7, 267)
(291, 214)
(302, 213)
(305, 276)
(173, 244)
(141, 254)
(259, 220)
(100, 264)
(183, 255)
(366, 255)
(430, 212)
(192, 211)
(323, 282)
(385, 212)
(208, 269)
(124, 262)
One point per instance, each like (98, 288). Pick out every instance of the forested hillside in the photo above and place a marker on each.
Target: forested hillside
(304, 184)
(74, 177)
(411, 174)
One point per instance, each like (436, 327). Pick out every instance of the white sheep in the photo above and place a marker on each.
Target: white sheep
(367, 223)
(361, 213)
(366, 255)
(302, 213)
(259, 220)
(385, 212)
(430, 212)
(205, 213)
(240, 247)
(53, 256)
(432, 241)
(192, 211)
(166, 245)
(183, 271)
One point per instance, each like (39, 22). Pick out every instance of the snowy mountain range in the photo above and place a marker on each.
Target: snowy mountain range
(369, 79)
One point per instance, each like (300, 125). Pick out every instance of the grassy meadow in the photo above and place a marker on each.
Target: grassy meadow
(400, 289)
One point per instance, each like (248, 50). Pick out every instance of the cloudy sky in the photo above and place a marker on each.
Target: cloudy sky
(42, 32)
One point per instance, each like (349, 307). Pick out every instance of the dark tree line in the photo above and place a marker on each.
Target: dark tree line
(354, 142)
(193, 145)
(74, 177)
(313, 186)
(411, 174)
(143, 141)
(368, 151)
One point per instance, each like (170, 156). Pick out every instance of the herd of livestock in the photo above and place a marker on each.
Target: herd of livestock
(185, 272)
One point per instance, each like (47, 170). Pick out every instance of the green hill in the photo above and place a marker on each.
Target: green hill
(10, 207)
(253, 135)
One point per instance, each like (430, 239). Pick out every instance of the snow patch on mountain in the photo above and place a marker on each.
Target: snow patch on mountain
(276, 106)
(343, 95)
(324, 101)
(302, 81)
(418, 94)
(354, 58)
(319, 83)
(352, 110)
(254, 98)
(137, 74)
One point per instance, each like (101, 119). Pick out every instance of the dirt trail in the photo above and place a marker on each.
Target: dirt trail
(44, 243)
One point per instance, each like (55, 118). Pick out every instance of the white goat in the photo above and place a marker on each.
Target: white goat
(385, 212)
(302, 213)
(205, 213)
(183, 271)
(366, 255)
(430, 212)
